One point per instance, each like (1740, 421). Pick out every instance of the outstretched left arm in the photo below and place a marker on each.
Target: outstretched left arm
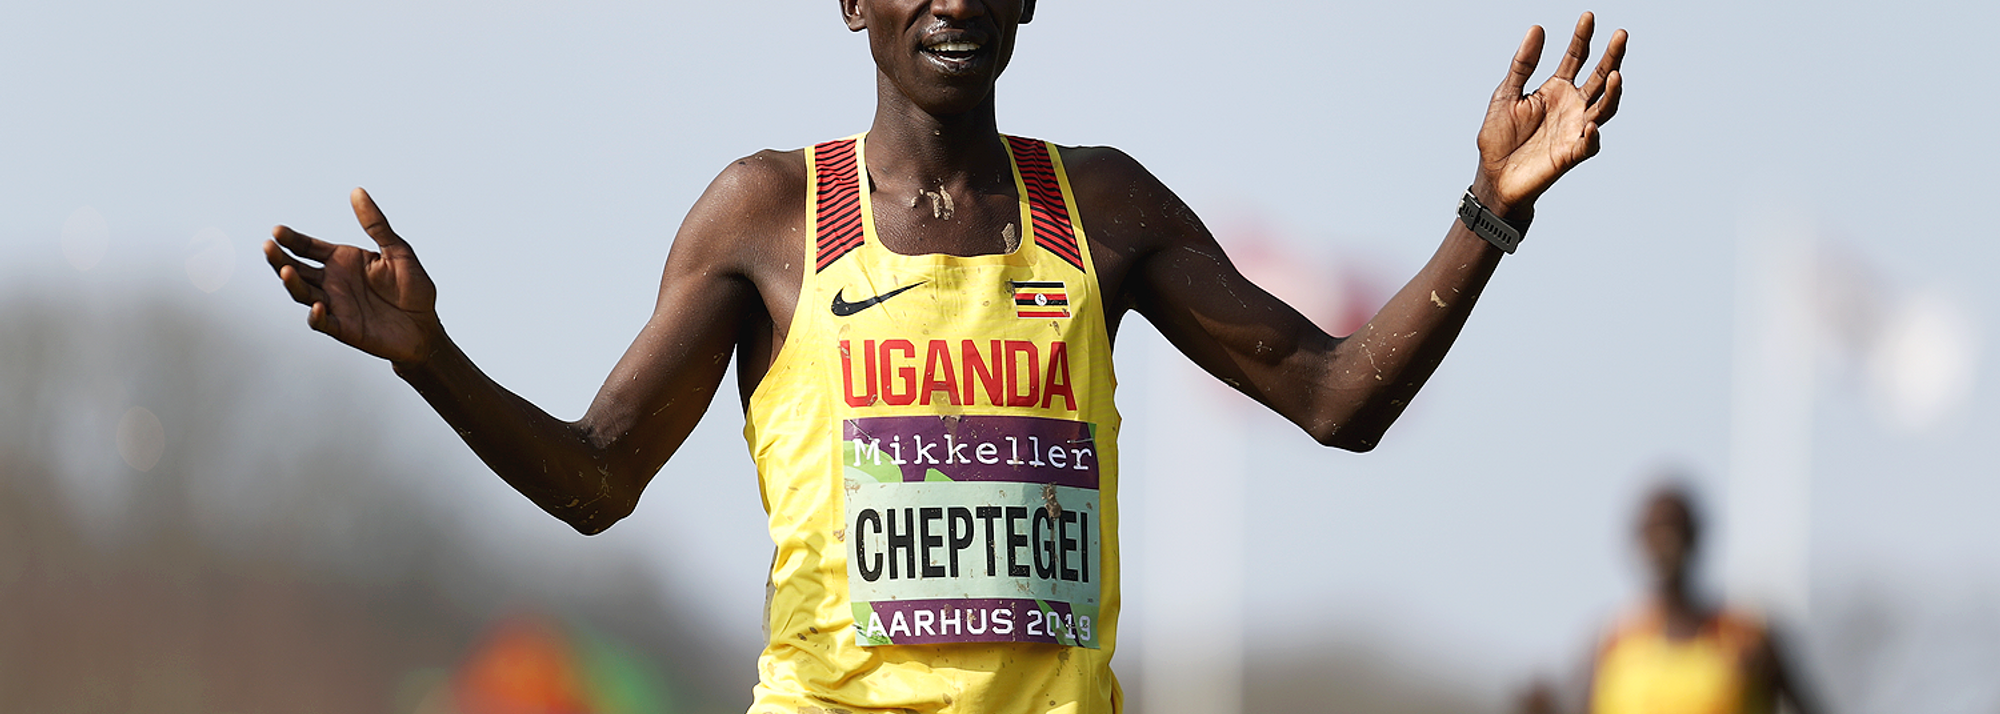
(1347, 391)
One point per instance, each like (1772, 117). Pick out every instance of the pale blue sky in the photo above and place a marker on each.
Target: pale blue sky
(539, 158)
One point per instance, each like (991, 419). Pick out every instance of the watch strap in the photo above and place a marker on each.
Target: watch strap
(1485, 224)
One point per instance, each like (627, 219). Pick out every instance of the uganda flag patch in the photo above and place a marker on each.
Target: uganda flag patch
(1040, 298)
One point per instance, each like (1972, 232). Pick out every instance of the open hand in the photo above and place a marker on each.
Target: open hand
(1530, 140)
(379, 302)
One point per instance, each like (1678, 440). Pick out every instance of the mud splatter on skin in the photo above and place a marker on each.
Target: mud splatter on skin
(941, 206)
(1010, 239)
(1438, 300)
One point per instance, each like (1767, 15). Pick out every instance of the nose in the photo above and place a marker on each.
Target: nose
(958, 9)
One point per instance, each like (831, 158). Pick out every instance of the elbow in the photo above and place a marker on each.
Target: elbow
(598, 501)
(1359, 446)
(1358, 438)
(597, 513)
(1349, 441)
(1360, 430)
(593, 520)
(592, 528)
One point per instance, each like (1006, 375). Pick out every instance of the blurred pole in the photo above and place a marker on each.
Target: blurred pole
(1767, 517)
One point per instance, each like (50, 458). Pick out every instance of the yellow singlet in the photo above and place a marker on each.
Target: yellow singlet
(937, 448)
(1642, 671)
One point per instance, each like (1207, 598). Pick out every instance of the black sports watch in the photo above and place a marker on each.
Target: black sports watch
(1502, 233)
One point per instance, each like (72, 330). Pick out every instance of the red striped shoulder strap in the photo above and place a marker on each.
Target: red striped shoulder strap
(837, 201)
(1054, 229)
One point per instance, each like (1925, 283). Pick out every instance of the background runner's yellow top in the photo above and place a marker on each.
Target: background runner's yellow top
(1642, 671)
(937, 448)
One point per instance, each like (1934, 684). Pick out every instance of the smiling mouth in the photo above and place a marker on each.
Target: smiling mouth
(953, 51)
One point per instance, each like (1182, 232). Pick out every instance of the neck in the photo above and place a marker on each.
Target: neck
(906, 143)
(1675, 599)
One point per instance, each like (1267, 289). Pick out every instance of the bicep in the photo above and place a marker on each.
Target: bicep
(1190, 290)
(663, 384)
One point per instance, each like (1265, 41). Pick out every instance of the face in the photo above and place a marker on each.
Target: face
(942, 55)
(1666, 532)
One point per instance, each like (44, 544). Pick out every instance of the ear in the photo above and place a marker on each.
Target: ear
(1027, 11)
(850, 11)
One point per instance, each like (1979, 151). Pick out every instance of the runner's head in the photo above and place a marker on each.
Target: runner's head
(1667, 534)
(942, 55)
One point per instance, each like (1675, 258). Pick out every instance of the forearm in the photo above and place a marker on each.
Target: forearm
(1372, 375)
(556, 464)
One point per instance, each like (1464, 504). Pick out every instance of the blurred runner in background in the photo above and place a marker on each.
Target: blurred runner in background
(1676, 652)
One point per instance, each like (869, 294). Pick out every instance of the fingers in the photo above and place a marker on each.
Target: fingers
(302, 292)
(1607, 107)
(301, 281)
(372, 221)
(1579, 49)
(320, 320)
(304, 245)
(279, 260)
(1526, 58)
(1614, 58)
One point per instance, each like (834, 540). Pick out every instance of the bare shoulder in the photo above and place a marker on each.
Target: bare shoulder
(1123, 205)
(1113, 190)
(754, 210)
(767, 185)
(1106, 175)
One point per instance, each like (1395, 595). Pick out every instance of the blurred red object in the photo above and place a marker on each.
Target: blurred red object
(525, 666)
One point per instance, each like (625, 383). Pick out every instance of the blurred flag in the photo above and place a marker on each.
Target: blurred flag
(1337, 292)
(1807, 306)
(1910, 348)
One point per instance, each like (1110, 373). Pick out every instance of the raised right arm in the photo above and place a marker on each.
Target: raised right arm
(589, 472)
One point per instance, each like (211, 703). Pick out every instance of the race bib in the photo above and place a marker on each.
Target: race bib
(972, 529)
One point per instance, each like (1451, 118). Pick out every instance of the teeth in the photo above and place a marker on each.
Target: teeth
(955, 47)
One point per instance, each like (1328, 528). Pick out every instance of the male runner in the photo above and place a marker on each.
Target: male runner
(1674, 654)
(921, 318)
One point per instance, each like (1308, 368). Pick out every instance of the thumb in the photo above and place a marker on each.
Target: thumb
(372, 221)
